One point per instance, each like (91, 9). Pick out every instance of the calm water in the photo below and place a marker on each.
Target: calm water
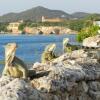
(30, 48)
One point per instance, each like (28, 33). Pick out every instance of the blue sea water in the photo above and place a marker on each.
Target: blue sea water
(30, 48)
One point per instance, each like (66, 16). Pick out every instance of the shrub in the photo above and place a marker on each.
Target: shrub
(87, 32)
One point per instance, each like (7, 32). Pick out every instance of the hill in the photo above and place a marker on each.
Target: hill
(34, 14)
(80, 14)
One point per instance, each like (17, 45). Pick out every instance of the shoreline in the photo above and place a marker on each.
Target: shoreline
(27, 34)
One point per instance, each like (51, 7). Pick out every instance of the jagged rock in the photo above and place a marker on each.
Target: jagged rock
(95, 85)
(95, 95)
(92, 41)
(19, 89)
(40, 67)
(79, 54)
(75, 75)
(65, 78)
(16, 89)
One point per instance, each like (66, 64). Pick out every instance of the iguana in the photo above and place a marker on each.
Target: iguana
(48, 53)
(14, 66)
(67, 47)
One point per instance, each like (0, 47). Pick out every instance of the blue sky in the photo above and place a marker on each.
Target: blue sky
(69, 6)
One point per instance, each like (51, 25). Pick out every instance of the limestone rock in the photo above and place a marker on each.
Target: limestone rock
(16, 89)
(95, 85)
(76, 75)
(95, 95)
(92, 41)
(19, 89)
(68, 77)
(79, 54)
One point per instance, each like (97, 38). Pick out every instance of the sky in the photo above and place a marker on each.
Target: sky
(69, 6)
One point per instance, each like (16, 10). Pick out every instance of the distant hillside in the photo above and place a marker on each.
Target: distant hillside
(80, 14)
(36, 13)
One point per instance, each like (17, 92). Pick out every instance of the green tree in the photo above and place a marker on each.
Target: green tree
(3, 27)
(22, 26)
(93, 17)
(76, 25)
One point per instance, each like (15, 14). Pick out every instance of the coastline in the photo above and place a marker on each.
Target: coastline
(26, 34)
(42, 30)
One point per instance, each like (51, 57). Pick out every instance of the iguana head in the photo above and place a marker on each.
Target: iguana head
(50, 47)
(10, 50)
(65, 41)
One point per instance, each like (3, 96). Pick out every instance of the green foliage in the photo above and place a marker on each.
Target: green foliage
(87, 32)
(22, 26)
(93, 17)
(76, 25)
(37, 24)
(3, 27)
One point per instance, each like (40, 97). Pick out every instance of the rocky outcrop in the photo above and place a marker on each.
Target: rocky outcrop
(48, 30)
(92, 41)
(69, 77)
(55, 30)
(18, 89)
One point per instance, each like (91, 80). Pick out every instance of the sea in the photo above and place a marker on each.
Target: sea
(31, 47)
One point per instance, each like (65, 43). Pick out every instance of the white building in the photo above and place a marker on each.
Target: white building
(14, 27)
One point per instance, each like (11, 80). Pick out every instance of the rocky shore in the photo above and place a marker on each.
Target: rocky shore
(72, 76)
(49, 30)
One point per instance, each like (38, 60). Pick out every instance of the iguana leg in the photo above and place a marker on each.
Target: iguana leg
(24, 72)
(6, 72)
